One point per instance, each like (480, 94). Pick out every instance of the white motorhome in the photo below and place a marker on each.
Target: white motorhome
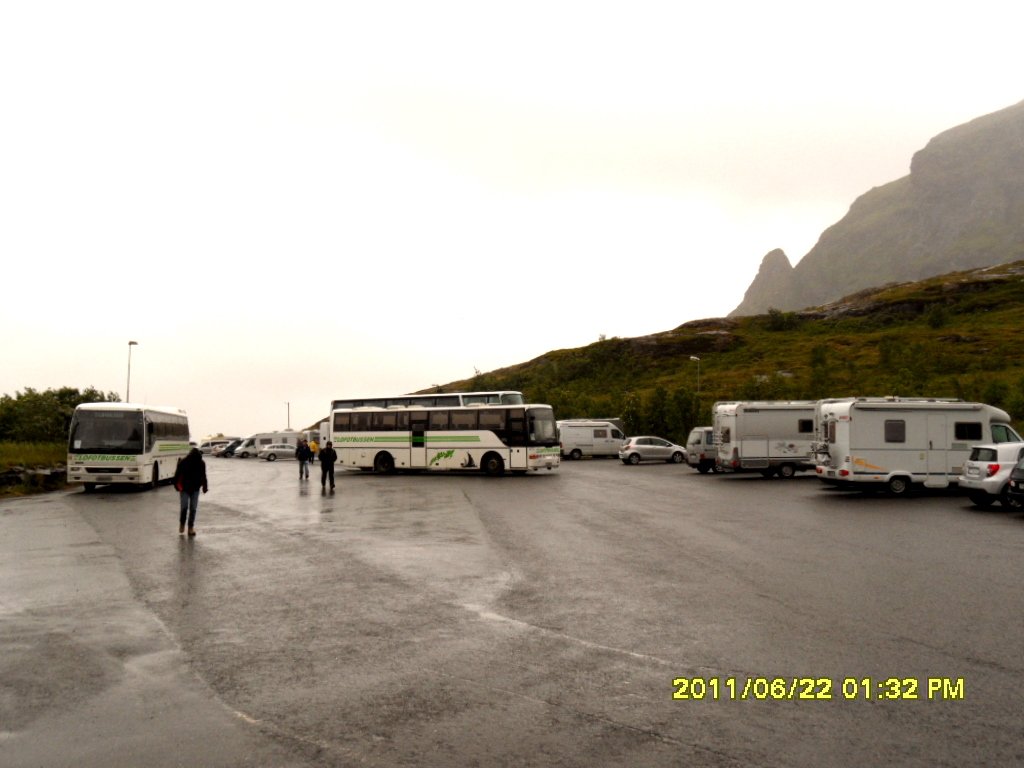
(581, 438)
(252, 444)
(766, 436)
(897, 442)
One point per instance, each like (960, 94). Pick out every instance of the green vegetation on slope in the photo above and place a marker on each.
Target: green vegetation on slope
(958, 335)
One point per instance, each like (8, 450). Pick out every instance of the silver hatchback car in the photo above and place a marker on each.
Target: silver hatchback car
(650, 448)
(986, 473)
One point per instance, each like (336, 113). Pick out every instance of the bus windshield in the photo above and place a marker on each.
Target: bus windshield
(106, 432)
(543, 430)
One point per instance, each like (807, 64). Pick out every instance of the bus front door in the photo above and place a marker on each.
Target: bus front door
(418, 440)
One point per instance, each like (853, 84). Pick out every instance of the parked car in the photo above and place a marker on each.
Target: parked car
(276, 451)
(227, 450)
(700, 449)
(650, 448)
(212, 445)
(1015, 485)
(986, 473)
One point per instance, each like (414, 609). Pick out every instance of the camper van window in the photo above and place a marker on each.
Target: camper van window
(896, 431)
(725, 435)
(967, 430)
(618, 435)
(1001, 433)
(602, 433)
(805, 426)
(831, 431)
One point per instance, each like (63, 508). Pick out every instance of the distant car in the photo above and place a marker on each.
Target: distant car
(212, 445)
(986, 473)
(700, 449)
(651, 448)
(277, 451)
(227, 450)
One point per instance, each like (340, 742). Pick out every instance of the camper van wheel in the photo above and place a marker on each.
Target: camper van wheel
(575, 454)
(704, 468)
(898, 485)
(383, 464)
(787, 471)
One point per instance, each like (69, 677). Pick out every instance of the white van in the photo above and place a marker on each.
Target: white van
(589, 438)
(252, 445)
(700, 449)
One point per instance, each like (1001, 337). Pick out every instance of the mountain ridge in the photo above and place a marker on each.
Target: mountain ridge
(960, 207)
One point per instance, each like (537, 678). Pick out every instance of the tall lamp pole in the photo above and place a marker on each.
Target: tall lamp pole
(289, 415)
(697, 360)
(128, 386)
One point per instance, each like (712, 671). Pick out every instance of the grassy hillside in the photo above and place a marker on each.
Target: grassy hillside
(958, 335)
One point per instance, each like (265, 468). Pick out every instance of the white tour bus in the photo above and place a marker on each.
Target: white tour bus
(896, 441)
(116, 443)
(489, 438)
(435, 399)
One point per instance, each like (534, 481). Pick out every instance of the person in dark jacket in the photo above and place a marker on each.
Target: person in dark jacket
(305, 457)
(327, 458)
(189, 478)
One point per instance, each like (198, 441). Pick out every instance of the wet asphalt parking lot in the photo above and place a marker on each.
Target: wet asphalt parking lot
(602, 615)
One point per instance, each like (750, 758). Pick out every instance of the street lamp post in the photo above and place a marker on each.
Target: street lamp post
(128, 386)
(697, 360)
(289, 415)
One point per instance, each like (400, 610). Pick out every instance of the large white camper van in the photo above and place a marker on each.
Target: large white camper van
(766, 436)
(581, 438)
(897, 442)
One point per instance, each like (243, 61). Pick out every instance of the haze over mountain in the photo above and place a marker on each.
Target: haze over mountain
(961, 207)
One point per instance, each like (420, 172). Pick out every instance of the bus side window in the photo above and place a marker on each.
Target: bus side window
(517, 427)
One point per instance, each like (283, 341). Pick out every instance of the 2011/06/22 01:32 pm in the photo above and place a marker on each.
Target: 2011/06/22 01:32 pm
(731, 688)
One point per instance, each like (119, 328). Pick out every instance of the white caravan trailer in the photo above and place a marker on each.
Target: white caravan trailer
(896, 442)
(766, 436)
(251, 445)
(581, 438)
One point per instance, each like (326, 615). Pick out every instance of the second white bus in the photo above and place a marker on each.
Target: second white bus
(486, 438)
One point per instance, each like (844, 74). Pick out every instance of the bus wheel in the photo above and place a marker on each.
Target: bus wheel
(156, 476)
(493, 465)
(786, 471)
(89, 487)
(383, 464)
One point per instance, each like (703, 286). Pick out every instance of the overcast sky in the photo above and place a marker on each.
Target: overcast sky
(284, 203)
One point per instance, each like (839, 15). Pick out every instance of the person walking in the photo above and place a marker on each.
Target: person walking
(189, 478)
(314, 448)
(303, 454)
(327, 458)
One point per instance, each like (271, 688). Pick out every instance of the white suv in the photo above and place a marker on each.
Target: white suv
(987, 471)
